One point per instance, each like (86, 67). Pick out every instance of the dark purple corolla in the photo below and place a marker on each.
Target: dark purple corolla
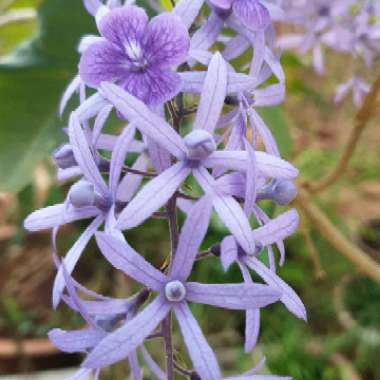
(137, 54)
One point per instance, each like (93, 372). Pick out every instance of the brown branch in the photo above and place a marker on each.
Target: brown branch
(363, 117)
(320, 221)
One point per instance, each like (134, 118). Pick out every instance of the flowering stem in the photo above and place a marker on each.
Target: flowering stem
(321, 222)
(167, 334)
(362, 119)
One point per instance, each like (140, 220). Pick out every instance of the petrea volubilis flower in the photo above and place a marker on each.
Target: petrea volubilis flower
(144, 72)
(137, 54)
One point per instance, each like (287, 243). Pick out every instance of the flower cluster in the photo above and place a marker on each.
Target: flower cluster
(154, 75)
(350, 27)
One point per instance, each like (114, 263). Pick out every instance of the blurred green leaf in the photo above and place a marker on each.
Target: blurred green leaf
(32, 79)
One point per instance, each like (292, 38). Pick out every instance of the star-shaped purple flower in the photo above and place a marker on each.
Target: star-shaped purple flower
(174, 293)
(137, 54)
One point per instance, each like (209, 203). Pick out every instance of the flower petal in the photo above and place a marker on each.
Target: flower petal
(213, 94)
(91, 107)
(153, 86)
(72, 258)
(232, 296)
(123, 257)
(100, 62)
(147, 122)
(167, 41)
(153, 196)
(71, 89)
(201, 354)
(192, 235)
(120, 343)
(124, 25)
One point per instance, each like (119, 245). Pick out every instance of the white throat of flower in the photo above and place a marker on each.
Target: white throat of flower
(135, 54)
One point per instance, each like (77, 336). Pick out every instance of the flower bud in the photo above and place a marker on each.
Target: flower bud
(284, 192)
(82, 194)
(200, 144)
(64, 157)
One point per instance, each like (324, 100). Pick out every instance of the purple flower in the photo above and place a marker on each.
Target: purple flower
(137, 54)
(195, 154)
(174, 293)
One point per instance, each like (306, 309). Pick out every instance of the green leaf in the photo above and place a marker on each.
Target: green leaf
(32, 79)
(275, 119)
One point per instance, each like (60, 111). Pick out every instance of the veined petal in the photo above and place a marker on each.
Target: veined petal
(75, 341)
(166, 41)
(125, 258)
(277, 229)
(57, 215)
(201, 354)
(153, 196)
(232, 296)
(188, 10)
(119, 154)
(84, 156)
(72, 258)
(192, 235)
(213, 94)
(258, 53)
(288, 297)
(102, 61)
(120, 343)
(146, 121)
(252, 14)
(123, 25)
(235, 47)
(268, 165)
(159, 157)
(154, 86)
(228, 209)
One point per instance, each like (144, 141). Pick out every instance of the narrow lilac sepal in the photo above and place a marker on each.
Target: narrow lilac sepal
(123, 257)
(277, 229)
(228, 252)
(153, 196)
(213, 94)
(192, 235)
(188, 10)
(146, 121)
(290, 299)
(232, 296)
(120, 343)
(201, 354)
(72, 257)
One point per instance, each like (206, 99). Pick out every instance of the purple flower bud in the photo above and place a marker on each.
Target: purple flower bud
(200, 144)
(175, 291)
(82, 194)
(64, 157)
(284, 192)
